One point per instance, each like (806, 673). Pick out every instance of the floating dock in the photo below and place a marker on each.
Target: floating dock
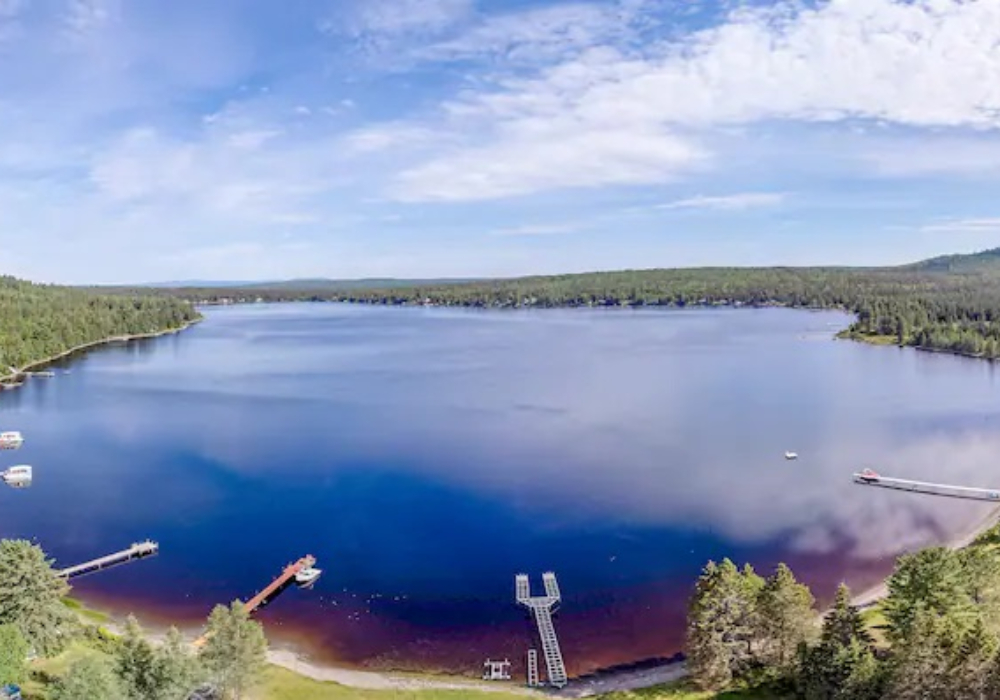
(931, 489)
(542, 608)
(140, 550)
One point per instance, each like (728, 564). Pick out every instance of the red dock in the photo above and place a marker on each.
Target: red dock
(287, 575)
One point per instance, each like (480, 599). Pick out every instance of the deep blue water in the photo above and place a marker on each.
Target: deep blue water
(425, 456)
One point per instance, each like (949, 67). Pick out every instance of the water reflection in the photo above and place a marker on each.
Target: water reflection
(426, 455)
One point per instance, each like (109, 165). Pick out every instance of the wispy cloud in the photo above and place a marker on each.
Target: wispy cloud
(607, 116)
(538, 34)
(742, 200)
(530, 230)
(987, 225)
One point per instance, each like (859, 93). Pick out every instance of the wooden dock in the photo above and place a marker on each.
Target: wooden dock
(287, 575)
(271, 589)
(139, 550)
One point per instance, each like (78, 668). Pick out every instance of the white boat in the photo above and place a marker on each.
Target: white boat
(18, 474)
(791, 455)
(11, 440)
(307, 575)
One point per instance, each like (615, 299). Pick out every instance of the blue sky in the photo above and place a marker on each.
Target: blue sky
(149, 140)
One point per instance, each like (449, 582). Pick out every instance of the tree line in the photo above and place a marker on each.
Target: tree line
(950, 304)
(34, 618)
(39, 321)
(937, 631)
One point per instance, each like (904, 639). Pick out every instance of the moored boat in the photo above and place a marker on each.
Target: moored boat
(17, 475)
(307, 576)
(868, 476)
(11, 440)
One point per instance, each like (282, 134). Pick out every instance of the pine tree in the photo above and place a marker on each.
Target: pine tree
(13, 652)
(721, 618)
(31, 597)
(235, 651)
(971, 668)
(843, 623)
(175, 670)
(841, 666)
(133, 662)
(923, 662)
(785, 619)
(930, 580)
(90, 678)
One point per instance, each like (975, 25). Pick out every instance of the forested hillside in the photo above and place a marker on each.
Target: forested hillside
(38, 321)
(950, 303)
(934, 637)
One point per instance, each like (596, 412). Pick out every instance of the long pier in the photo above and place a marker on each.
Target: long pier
(925, 487)
(287, 574)
(139, 550)
(542, 608)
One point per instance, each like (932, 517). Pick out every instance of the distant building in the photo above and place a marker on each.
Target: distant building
(10, 692)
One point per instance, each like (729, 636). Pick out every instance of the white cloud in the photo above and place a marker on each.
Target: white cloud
(930, 155)
(606, 117)
(376, 19)
(988, 225)
(230, 170)
(383, 137)
(543, 33)
(537, 230)
(534, 157)
(742, 200)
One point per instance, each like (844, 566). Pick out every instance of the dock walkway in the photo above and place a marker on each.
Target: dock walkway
(929, 488)
(287, 574)
(139, 550)
(542, 608)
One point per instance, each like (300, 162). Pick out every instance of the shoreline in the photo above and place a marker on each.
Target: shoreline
(874, 594)
(35, 364)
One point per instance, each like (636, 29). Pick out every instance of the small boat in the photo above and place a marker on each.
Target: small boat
(868, 476)
(791, 455)
(16, 475)
(307, 576)
(11, 440)
(45, 374)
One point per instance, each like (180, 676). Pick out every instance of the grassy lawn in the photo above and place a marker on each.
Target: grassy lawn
(86, 614)
(281, 684)
(44, 670)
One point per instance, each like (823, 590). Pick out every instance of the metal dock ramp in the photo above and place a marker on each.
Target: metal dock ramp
(542, 608)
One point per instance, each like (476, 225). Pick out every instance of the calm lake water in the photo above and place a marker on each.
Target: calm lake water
(425, 456)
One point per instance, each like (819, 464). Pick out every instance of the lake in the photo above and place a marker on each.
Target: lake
(425, 456)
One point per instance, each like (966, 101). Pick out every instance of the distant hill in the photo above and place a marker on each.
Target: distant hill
(316, 284)
(987, 261)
